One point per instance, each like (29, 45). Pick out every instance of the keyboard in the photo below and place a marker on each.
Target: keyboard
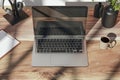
(60, 45)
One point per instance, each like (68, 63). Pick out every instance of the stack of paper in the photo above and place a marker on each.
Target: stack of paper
(7, 42)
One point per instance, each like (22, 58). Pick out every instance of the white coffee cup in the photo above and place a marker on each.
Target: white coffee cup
(106, 42)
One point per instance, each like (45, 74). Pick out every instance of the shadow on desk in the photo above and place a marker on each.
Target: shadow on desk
(114, 71)
(6, 74)
(13, 30)
(62, 70)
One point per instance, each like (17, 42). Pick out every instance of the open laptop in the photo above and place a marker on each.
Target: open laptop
(59, 36)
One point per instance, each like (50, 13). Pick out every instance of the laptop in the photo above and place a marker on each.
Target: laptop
(59, 36)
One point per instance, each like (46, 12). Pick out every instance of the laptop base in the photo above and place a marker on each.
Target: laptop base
(62, 59)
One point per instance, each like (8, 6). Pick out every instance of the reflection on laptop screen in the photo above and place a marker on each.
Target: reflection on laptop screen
(60, 28)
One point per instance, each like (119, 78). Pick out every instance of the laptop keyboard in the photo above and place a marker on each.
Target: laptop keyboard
(60, 46)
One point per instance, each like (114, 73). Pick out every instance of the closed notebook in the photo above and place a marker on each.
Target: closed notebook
(7, 42)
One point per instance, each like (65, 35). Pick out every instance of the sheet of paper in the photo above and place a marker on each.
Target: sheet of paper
(7, 42)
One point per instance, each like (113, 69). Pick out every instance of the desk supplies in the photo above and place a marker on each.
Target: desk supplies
(98, 10)
(16, 13)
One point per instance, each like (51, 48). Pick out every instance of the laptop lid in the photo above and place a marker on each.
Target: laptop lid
(60, 18)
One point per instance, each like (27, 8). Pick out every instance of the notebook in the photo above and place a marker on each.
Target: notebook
(7, 42)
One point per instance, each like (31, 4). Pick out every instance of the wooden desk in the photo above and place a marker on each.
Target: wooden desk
(16, 65)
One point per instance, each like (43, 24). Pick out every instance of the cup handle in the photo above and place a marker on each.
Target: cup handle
(112, 44)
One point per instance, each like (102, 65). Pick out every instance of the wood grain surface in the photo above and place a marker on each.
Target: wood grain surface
(16, 65)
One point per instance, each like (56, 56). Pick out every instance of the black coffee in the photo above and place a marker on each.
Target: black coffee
(105, 39)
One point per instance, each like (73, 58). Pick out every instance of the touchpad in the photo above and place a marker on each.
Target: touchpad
(61, 60)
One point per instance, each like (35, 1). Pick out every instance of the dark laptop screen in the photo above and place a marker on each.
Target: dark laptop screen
(59, 28)
(59, 20)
